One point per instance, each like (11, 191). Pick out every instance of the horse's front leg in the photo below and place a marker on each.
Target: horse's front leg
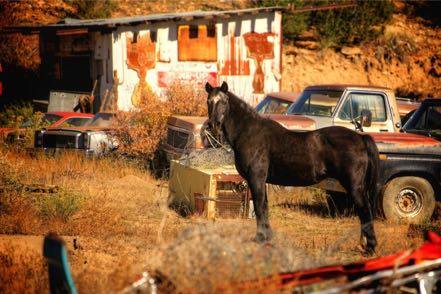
(256, 181)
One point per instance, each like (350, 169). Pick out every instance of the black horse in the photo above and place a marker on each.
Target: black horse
(266, 152)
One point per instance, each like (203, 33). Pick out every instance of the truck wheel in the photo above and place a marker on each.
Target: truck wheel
(408, 200)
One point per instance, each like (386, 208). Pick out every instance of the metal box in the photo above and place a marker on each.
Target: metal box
(209, 192)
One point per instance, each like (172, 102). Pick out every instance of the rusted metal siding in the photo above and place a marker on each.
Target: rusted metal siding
(243, 50)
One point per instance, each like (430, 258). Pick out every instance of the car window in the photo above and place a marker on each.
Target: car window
(357, 102)
(51, 118)
(102, 120)
(271, 105)
(431, 120)
(75, 122)
(316, 103)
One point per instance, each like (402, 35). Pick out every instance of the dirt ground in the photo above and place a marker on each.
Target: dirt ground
(125, 227)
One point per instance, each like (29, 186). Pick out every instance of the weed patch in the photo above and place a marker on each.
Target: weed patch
(61, 205)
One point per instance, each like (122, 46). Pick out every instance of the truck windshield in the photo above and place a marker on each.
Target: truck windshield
(316, 102)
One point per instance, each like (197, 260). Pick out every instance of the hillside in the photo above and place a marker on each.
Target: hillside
(407, 58)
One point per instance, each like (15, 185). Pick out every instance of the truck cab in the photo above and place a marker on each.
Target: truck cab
(341, 105)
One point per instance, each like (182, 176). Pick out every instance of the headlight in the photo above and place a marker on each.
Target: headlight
(38, 138)
(86, 140)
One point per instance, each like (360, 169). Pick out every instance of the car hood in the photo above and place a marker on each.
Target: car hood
(293, 122)
(193, 123)
(5, 130)
(406, 143)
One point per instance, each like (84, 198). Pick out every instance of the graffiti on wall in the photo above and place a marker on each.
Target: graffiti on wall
(141, 56)
(260, 46)
(196, 78)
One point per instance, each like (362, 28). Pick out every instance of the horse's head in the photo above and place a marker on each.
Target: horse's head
(218, 107)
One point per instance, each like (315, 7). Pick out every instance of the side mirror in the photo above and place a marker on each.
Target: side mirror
(365, 118)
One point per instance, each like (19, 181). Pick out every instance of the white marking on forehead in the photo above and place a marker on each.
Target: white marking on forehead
(216, 98)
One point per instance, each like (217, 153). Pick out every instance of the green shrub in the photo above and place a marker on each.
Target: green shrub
(294, 24)
(61, 205)
(87, 9)
(351, 25)
(15, 114)
(22, 118)
(335, 27)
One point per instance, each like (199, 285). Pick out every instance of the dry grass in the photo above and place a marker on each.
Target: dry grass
(22, 271)
(123, 227)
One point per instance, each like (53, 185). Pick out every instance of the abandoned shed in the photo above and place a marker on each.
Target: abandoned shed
(123, 57)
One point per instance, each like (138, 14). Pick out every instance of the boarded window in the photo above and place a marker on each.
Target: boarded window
(197, 43)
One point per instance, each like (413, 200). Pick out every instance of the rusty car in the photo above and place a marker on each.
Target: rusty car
(52, 119)
(92, 139)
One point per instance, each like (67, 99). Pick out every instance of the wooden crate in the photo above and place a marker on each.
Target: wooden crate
(219, 192)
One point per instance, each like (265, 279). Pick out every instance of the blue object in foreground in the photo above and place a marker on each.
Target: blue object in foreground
(60, 278)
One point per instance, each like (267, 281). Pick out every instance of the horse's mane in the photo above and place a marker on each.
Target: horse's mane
(237, 102)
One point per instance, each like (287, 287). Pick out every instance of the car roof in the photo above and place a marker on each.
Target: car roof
(342, 87)
(432, 100)
(284, 95)
(70, 114)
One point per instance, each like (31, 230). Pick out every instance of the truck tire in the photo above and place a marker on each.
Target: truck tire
(408, 200)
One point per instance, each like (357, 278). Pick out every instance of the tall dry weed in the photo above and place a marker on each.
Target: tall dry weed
(22, 272)
(184, 99)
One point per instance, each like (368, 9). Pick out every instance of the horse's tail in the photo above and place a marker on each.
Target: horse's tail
(372, 174)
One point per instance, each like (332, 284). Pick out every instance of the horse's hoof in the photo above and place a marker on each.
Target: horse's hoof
(261, 238)
(368, 252)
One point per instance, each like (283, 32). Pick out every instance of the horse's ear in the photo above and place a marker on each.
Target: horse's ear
(224, 87)
(208, 87)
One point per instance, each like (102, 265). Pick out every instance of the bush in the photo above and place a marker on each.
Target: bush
(335, 27)
(294, 24)
(86, 9)
(61, 205)
(22, 118)
(139, 133)
(353, 25)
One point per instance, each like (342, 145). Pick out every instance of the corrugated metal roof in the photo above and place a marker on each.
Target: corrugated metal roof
(110, 23)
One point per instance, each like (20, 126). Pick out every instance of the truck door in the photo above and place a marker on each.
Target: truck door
(355, 102)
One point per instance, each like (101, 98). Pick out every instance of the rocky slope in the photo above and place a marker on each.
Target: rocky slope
(407, 59)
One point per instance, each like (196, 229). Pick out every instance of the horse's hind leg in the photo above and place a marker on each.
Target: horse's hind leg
(260, 202)
(364, 212)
